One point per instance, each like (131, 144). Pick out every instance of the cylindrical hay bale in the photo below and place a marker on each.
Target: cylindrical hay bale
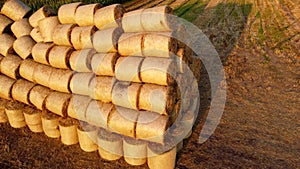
(38, 96)
(135, 151)
(160, 44)
(158, 159)
(47, 27)
(159, 71)
(105, 41)
(109, 17)
(87, 136)
(131, 21)
(101, 88)
(104, 63)
(84, 14)
(6, 44)
(32, 116)
(21, 28)
(50, 124)
(42, 74)
(182, 60)
(98, 113)
(66, 13)
(40, 14)
(21, 90)
(123, 121)
(5, 23)
(60, 80)
(6, 85)
(14, 112)
(40, 52)
(151, 127)
(157, 19)
(59, 56)
(110, 145)
(36, 35)
(57, 103)
(128, 69)
(3, 117)
(10, 66)
(26, 69)
(80, 61)
(23, 46)
(126, 95)
(62, 34)
(36, 128)
(80, 83)
(130, 44)
(81, 37)
(15, 9)
(68, 131)
(159, 99)
(78, 107)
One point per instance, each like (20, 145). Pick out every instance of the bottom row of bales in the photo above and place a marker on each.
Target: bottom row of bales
(110, 146)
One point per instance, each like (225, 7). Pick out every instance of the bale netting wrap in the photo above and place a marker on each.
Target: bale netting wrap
(66, 13)
(5, 23)
(21, 28)
(23, 46)
(43, 12)
(84, 15)
(109, 16)
(6, 44)
(15, 9)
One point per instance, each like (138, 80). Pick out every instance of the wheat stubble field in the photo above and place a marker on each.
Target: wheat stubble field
(258, 42)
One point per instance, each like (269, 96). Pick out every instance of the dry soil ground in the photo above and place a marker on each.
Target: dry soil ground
(259, 42)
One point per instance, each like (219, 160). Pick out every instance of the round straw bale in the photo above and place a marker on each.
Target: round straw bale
(130, 44)
(156, 19)
(84, 14)
(81, 37)
(131, 21)
(3, 117)
(15, 9)
(109, 16)
(126, 95)
(23, 46)
(78, 106)
(5, 23)
(135, 151)
(38, 95)
(80, 61)
(101, 88)
(47, 27)
(21, 28)
(40, 52)
(10, 66)
(36, 128)
(110, 145)
(62, 34)
(104, 63)
(36, 35)
(59, 56)
(40, 14)
(26, 69)
(21, 90)
(50, 121)
(60, 80)
(14, 111)
(98, 113)
(66, 13)
(105, 41)
(68, 131)
(42, 74)
(165, 160)
(58, 102)
(123, 121)
(128, 69)
(80, 82)
(6, 44)
(6, 85)
(87, 136)
(159, 71)
(151, 127)
(32, 116)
